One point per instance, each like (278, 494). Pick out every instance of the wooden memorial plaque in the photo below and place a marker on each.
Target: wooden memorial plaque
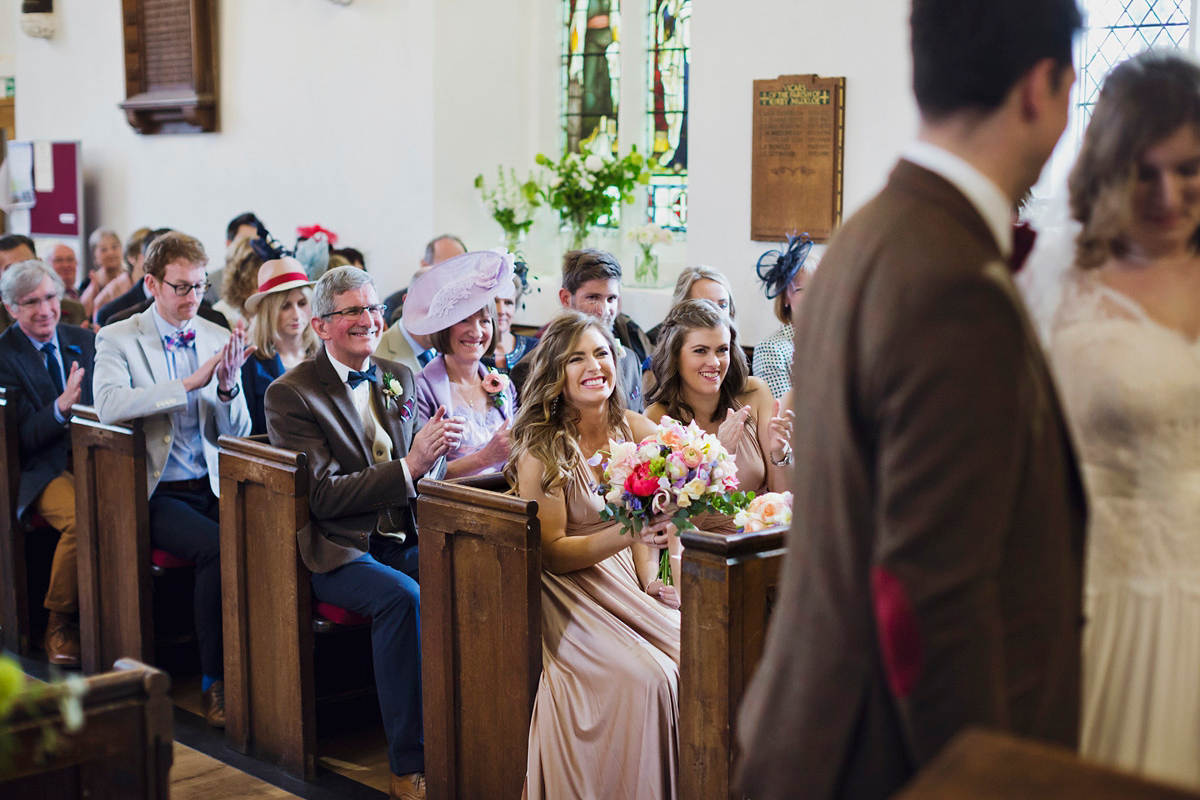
(796, 169)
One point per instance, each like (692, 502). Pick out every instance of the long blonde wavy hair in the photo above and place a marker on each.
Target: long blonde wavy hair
(547, 426)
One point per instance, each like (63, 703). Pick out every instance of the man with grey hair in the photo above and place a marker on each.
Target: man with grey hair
(354, 414)
(437, 250)
(14, 248)
(50, 365)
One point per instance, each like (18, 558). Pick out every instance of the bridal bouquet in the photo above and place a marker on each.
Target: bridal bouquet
(679, 471)
(765, 511)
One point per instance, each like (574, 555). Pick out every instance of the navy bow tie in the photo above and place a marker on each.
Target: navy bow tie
(178, 339)
(354, 378)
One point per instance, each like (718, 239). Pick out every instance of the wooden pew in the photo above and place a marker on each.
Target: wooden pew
(270, 699)
(987, 765)
(14, 583)
(728, 588)
(112, 523)
(123, 751)
(481, 649)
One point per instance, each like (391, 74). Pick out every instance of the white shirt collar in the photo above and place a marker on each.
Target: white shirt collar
(342, 370)
(979, 189)
(413, 343)
(165, 328)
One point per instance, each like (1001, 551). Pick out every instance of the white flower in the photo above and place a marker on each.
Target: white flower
(556, 181)
(593, 163)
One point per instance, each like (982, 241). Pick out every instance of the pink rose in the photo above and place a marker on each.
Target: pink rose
(495, 382)
(660, 501)
(641, 483)
(692, 456)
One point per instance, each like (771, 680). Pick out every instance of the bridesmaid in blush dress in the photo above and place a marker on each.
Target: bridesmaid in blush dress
(605, 721)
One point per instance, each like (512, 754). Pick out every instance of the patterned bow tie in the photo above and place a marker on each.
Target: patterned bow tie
(354, 378)
(179, 339)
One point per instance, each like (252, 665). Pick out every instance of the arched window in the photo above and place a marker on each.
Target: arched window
(669, 28)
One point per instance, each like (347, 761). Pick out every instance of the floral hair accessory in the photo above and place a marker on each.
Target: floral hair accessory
(310, 232)
(391, 388)
(777, 268)
(495, 383)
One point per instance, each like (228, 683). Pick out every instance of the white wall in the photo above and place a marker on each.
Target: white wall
(733, 44)
(9, 14)
(326, 117)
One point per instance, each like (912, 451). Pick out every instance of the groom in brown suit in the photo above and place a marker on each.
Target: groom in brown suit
(934, 564)
(355, 417)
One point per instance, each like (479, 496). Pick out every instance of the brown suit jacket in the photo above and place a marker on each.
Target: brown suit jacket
(933, 574)
(311, 411)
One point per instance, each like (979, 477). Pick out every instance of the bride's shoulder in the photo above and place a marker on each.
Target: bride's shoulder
(1087, 299)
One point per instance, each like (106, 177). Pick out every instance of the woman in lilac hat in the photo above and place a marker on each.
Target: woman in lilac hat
(454, 304)
(280, 311)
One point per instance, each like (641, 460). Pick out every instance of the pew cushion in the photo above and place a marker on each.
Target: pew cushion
(161, 558)
(342, 616)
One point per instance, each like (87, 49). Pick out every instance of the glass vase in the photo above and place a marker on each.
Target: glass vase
(646, 269)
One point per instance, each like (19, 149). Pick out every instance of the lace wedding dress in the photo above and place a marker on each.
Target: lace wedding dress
(1131, 388)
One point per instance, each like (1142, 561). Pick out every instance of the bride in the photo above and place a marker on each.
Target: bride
(1125, 345)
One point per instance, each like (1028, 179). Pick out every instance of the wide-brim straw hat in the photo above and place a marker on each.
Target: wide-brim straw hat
(455, 289)
(278, 275)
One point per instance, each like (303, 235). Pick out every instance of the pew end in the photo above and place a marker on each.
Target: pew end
(481, 609)
(15, 621)
(989, 765)
(123, 751)
(112, 522)
(728, 589)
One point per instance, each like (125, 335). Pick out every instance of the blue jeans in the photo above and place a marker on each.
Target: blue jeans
(185, 525)
(382, 584)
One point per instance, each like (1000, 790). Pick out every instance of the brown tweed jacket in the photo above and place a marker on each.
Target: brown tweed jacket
(310, 410)
(933, 574)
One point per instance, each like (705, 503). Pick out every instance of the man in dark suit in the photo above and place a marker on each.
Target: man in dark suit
(934, 564)
(15, 248)
(355, 417)
(50, 365)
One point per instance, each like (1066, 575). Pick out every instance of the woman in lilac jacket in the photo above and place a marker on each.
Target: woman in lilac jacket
(454, 304)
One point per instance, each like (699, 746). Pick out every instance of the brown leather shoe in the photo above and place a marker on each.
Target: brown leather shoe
(408, 787)
(62, 641)
(213, 701)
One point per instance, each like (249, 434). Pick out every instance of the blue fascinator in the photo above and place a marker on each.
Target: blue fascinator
(777, 268)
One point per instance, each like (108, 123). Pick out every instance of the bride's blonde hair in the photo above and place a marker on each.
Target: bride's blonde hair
(547, 426)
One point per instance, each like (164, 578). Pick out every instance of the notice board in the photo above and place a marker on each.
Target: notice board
(796, 165)
(58, 204)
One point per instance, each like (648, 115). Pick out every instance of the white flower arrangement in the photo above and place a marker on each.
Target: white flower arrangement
(512, 203)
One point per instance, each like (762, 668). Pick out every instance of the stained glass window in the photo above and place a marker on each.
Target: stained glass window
(1118, 29)
(591, 72)
(669, 28)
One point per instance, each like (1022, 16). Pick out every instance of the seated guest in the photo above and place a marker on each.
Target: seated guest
(136, 295)
(592, 284)
(109, 269)
(133, 265)
(160, 366)
(15, 248)
(783, 275)
(700, 375)
(454, 304)
(353, 256)
(243, 226)
(610, 651)
(437, 250)
(365, 455)
(239, 279)
(66, 266)
(398, 343)
(280, 310)
(510, 347)
(51, 366)
(699, 283)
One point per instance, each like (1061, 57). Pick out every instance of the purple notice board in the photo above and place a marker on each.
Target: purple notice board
(59, 212)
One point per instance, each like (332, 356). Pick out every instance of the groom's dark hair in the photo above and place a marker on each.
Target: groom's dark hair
(968, 54)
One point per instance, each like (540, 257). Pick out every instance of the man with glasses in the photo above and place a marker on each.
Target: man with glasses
(50, 364)
(15, 248)
(354, 414)
(181, 374)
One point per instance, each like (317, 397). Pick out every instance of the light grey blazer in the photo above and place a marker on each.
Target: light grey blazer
(131, 381)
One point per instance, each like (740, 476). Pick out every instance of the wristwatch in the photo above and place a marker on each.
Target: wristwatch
(232, 393)
(787, 457)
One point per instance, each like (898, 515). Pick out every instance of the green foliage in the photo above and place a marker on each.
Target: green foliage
(585, 187)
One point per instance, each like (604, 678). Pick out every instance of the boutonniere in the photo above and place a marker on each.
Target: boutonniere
(495, 383)
(391, 388)
(620, 351)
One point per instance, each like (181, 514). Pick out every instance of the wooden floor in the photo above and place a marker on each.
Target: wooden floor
(195, 776)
